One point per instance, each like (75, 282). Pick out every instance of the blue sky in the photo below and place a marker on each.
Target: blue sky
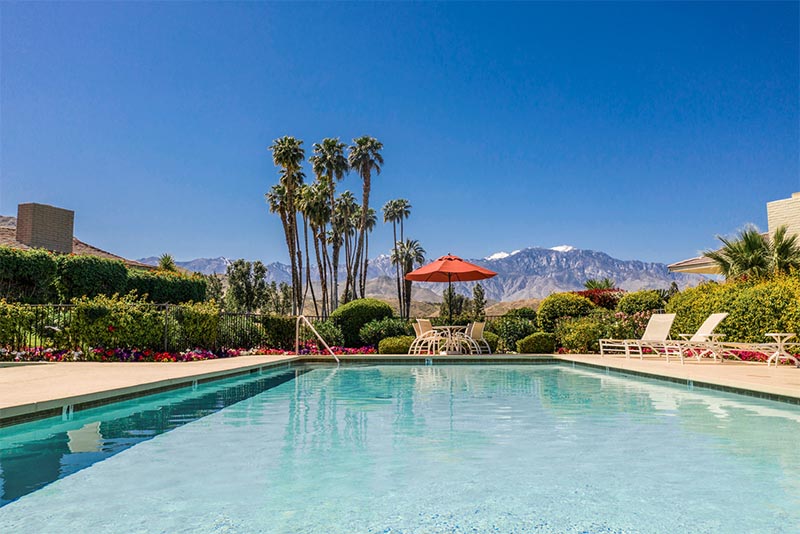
(639, 129)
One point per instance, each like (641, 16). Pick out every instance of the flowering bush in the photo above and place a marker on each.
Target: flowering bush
(311, 348)
(41, 354)
(604, 298)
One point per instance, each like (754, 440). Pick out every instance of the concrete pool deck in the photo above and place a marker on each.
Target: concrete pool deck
(31, 391)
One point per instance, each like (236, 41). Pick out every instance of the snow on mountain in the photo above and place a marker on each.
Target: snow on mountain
(563, 248)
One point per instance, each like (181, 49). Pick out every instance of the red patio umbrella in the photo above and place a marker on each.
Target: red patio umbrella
(450, 269)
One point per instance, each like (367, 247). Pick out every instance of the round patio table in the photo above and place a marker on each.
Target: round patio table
(780, 339)
(451, 344)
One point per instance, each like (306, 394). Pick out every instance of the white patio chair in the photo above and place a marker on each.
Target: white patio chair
(476, 341)
(427, 340)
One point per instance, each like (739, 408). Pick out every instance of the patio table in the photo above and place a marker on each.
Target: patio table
(452, 345)
(780, 340)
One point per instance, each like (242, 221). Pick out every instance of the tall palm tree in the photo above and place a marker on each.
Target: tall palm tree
(288, 154)
(390, 214)
(329, 163)
(364, 157)
(372, 220)
(319, 214)
(409, 253)
(305, 199)
(755, 254)
(403, 212)
(346, 211)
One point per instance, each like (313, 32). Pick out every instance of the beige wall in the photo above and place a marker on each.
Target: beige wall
(784, 212)
(43, 226)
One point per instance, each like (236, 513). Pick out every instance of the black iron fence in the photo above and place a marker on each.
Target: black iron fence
(159, 327)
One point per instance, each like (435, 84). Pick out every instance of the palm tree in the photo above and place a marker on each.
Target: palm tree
(304, 206)
(403, 212)
(756, 254)
(372, 220)
(408, 254)
(342, 221)
(390, 214)
(329, 163)
(748, 255)
(288, 153)
(595, 283)
(167, 263)
(364, 158)
(319, 214)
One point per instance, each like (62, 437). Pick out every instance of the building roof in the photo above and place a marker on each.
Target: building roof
(699, 265)
(8, 238)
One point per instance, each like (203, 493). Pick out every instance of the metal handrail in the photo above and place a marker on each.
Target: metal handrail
(297, 337)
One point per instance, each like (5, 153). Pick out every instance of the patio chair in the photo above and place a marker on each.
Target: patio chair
(654, 338)
(427, 340)
(475, 338)
(701, 343)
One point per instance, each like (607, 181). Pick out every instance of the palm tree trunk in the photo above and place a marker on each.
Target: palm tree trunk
(309, 285)
(400, 306)
(322, 268)
(364, 210)
(366, 264)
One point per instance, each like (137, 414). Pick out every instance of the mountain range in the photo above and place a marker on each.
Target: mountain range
(522, 274)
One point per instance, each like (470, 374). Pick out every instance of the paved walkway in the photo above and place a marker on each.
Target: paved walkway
(783, 380)
(44, 387)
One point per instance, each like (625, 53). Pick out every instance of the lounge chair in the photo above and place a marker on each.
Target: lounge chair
(655, 338)
(701, 343)
(427, 340)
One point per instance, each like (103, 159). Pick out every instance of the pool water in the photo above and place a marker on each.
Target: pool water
(440, 449)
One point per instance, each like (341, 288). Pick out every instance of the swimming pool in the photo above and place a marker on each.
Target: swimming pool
(439, 449)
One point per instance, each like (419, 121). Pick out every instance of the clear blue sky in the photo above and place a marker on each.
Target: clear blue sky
(638, 129)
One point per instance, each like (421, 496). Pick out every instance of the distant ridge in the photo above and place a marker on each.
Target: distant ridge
(531, 273)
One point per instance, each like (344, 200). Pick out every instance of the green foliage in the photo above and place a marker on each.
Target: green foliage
(595, 283)
(580, 334)
(492, 339)
(167, 263)
(163, 287)
(478, 303)
(278, 331)
(351, 317)
(247, 286)
(27, 275)
(755, 307)
(372, 332)
(331, 333)
(16, 320)
(119, 322)
(195, 325)
(640, 301)
(453, 304)
(89, 276)
(523, 313)
(510, 330)
(754, 254)
(214, 290)
(537, 343)
(560, 305)
(395, 345)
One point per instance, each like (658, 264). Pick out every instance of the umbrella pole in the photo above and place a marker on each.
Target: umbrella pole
(449, 300)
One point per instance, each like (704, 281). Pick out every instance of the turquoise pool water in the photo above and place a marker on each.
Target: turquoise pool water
(442, 449)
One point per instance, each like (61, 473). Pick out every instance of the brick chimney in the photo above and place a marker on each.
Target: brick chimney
(43, 226)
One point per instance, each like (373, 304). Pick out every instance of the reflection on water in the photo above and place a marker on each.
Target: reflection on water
(35, 454)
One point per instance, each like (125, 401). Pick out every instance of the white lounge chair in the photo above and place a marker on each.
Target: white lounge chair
(655, 337)
(477, 342)
(702, 343)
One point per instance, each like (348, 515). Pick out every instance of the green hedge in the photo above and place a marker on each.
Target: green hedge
(640, 301)
(278, 331)
(755, 307)
(537, 343)
(351, 317)
(395, 345)
(560, 305)
(27, 275)
(331, 333)
(372, 332)
(166, 288)
(89, 276)
(493, 340)
(510, 330)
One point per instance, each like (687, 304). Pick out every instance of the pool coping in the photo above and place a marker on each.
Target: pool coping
(65, 406)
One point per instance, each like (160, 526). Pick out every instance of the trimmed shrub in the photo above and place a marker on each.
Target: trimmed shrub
(537, 343)
(27, 275)
(351, 317)
(197, 325)
(16, 322)
(90, 276)
(640, 301)
(492, 339)
(510, 330)
(580, 334)
(119, 322)
(603, 298)
(331, 333)
(560, 305)
(167, 288)
(395, 345)
(372, 332)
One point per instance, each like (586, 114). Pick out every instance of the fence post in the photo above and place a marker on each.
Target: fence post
(166, 318)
